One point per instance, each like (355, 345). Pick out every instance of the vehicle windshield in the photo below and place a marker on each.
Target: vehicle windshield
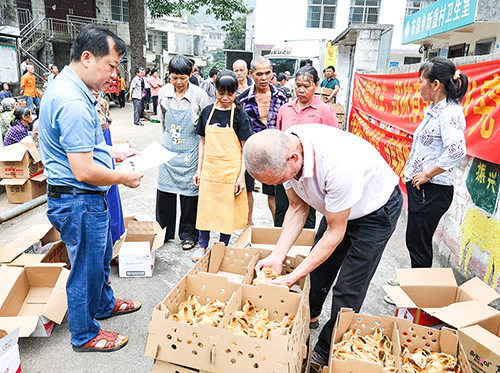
(280, 65)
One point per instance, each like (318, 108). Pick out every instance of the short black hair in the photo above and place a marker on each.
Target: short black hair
(227, 82)
(147, 71)
(443, 70)
(153, 71)
(95, 39)
(331, 67)
(281, 77)
(180, 65)
(138, 70)
(213, 71)
(309, 73)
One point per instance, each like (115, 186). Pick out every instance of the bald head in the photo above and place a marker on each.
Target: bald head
(259, 61)
(266, 152)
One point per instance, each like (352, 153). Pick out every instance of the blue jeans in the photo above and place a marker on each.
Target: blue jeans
(30, 101)
(83, 221)
(355, 260)
(205, 237)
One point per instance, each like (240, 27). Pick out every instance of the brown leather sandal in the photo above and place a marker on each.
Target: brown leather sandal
(104, 341)
(130, 306)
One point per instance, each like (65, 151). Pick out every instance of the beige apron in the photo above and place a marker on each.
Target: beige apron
(219, 210)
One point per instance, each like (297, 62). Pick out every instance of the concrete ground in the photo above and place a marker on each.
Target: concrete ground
(54, 354)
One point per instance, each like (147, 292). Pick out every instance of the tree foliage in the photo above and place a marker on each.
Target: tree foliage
(223, 10)
(236, 41)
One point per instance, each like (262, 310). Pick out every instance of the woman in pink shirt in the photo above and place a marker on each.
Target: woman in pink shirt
(306, 108)
(155, 84)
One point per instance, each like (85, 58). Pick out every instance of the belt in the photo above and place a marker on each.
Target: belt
(56, 191)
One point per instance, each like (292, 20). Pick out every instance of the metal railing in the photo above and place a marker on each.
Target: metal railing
(40, 68)
(80, 22)
(24, 17)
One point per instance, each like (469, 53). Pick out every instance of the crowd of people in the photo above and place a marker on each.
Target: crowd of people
(227, 131)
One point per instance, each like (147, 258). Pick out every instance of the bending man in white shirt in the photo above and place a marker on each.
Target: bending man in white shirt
(347, 180)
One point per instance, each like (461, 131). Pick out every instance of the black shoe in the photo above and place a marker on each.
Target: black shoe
(139, 124)
(318, 360)
(314, 324)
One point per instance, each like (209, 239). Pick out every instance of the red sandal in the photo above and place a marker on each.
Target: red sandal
(131, 306)
(113, 342)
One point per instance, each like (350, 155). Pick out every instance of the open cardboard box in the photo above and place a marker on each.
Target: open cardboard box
(20, 251)
(267, 237)
(9, 352)
(445, 340)
(32, 298)
(20, 161)
(482, 346)
(24, 190)
(238, 264)
(428, 296)
(347, 319)
(217, 349)
(139, 264)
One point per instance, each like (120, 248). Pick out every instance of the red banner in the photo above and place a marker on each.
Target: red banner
(396, 100)
(393, 148)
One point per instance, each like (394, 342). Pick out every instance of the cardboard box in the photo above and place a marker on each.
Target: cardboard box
(482, 348)
(9, 352)
(217, 349)
(20, 161)
(428, 296)
(24, 190)
(445, 340)
(32, 298)
(139, 263)
(19, 252)
(365, 325)
(266, 238)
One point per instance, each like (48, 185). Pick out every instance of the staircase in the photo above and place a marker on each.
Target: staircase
(34, 34)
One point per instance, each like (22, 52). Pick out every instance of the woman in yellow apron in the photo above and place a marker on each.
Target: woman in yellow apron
(224, 127)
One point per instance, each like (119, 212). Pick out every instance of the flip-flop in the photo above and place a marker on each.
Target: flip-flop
(198, 253)
(389, 300)
(187, 245)
(393, 281)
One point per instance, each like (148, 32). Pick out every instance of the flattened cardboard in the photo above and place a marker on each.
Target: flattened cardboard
(14, 251)
(20, 160)
(35, 298)
(24, 190)
(482, 348)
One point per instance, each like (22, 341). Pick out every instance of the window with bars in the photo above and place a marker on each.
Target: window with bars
(364, 11)
(164, 41)
(321, 13)
(413, 6)
(119, 10)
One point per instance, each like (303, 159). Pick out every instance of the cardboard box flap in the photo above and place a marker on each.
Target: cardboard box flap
(8, 277)
(436, 277)
(14, 152)
(26, 324)
(13, 181)
(39, 178)
(482, 336)
(400, 298)
(475, 288)
(58, 304)
(462, 314)
(13, 249)
(31, 147)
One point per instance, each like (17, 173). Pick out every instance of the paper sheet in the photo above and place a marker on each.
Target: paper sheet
(153, 155)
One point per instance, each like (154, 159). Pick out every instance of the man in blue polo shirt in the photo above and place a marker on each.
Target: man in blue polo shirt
(78, 165)
(331, 82)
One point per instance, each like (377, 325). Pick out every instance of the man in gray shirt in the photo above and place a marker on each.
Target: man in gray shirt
(209, 85)
(136, 88)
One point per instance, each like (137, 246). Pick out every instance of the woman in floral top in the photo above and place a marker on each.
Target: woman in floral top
(438, 146)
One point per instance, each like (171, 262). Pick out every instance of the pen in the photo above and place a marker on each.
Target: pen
(423, 194)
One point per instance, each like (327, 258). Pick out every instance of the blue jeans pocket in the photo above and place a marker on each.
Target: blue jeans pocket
(67, 226)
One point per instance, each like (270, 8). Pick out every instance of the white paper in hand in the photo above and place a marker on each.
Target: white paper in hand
(153, 155)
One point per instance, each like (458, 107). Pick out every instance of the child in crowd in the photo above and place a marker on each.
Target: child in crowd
(224, 127)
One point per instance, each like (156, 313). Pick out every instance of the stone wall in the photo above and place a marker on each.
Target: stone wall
(468, 236)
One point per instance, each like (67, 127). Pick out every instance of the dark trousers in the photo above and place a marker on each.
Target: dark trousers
(155, 104)
(425, 208)
(282, 205)
(138, 110)
(166, 215)
(355, 260)
(121, 98)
